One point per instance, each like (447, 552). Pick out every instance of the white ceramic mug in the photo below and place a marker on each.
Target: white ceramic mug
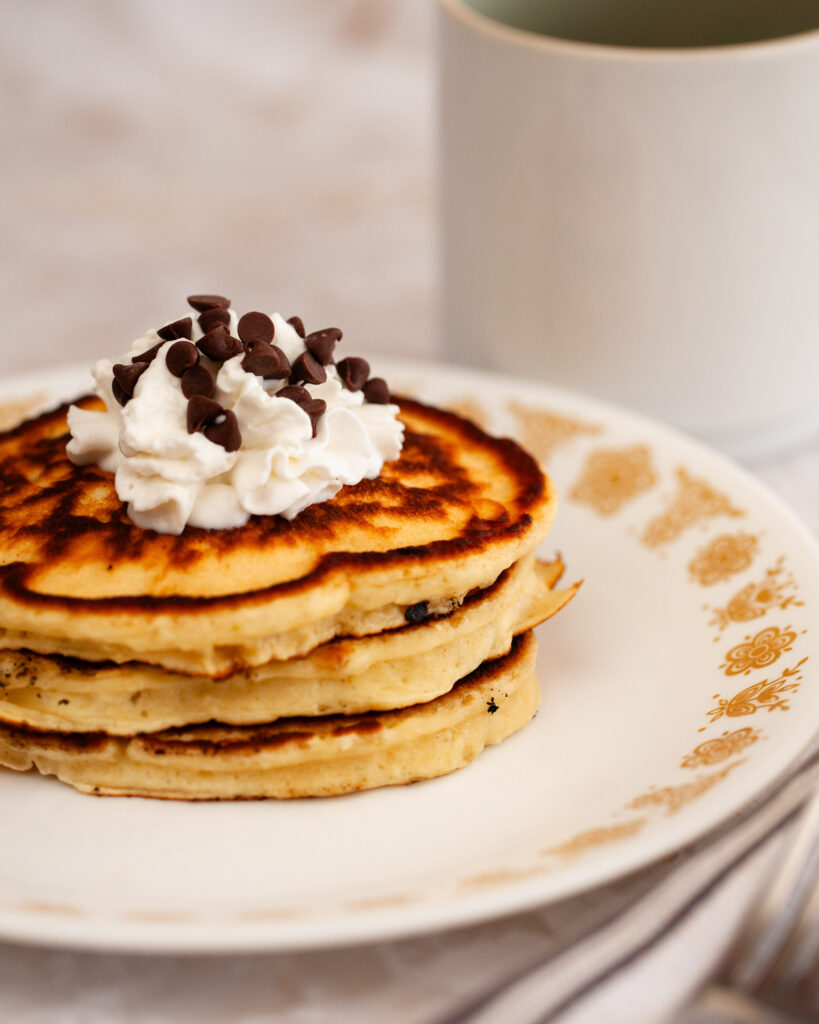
(639, 222)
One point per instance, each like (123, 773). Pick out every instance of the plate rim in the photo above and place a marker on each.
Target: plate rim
(451, 911)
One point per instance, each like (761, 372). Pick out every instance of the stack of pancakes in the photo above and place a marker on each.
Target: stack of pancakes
(378, 638)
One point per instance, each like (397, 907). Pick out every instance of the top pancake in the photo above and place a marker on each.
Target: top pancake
(450, 514)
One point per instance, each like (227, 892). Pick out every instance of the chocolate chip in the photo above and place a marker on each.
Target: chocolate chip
(267, 361)
(149, 355)
(295, 392)
(235, 347)
(353, 372)
(326, 332)
(201, 411)
(198, 380)
(315, 409)
(298, 324)
(309, 369)
(181, 356)
(417, 612)
(211, 317)
(321, 344)
(202, 302)
(178, 329)
(218, 345)
(255, 328)
(376, 391)
(224, 430)
(119, 394)
(126, 375)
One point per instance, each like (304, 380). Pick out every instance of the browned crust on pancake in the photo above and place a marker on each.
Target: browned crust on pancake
(253, 738)
(69, 665)
(36, 449)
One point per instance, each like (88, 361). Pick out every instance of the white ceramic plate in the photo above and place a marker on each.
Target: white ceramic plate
(679, 682)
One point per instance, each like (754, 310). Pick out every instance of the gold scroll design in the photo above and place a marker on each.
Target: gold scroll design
(613, 477)
(543, 432)
(694, 501)
(758, 651)
(777, 589)
(721, 748)
(725, 556)
(672, 799)
(576, 846)
(594, 837)
(770, 694)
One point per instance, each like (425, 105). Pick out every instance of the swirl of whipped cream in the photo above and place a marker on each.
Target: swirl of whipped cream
(170, 478)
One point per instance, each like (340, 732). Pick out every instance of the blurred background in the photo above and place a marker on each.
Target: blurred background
(277, 152)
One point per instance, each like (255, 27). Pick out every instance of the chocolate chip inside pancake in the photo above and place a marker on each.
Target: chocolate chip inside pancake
(417, 612)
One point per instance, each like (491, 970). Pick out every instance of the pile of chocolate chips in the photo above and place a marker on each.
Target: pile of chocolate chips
(261, 357)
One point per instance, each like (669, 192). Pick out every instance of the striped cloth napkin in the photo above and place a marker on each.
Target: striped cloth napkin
(639, 949)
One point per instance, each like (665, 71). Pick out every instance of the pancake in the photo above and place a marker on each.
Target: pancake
(380, 637)
(225, 660)
(391, 670)
(295, 757)
(77, 577)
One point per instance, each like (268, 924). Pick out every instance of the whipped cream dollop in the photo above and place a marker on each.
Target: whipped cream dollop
(289, 455)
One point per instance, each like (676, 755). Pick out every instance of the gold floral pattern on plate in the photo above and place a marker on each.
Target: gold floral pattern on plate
(159, 916)
(694, 501)
(503, 876)
(383, 902)
(725, 556)
(542, 432)
(612, 477)
(759, 696)
(47, 907)
(777, 589)
(593, 837)
(672, 799)
(721, 748)
(758, 651)
(263, 915)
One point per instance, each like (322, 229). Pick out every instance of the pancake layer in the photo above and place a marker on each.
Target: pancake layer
(295, 757)
(456, 509)
(391, 670)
